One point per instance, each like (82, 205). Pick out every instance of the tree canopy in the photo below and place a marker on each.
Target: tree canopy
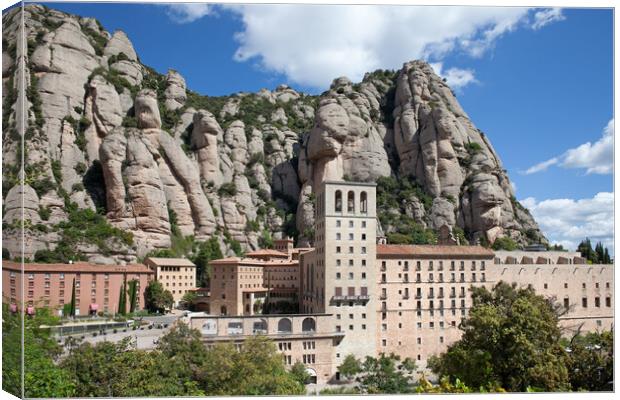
(598, 255)
(511, 339)
(156, 298)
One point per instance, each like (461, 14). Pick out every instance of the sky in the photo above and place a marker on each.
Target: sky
(537, 82)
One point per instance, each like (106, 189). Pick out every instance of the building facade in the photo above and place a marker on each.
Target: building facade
(262, 278)
(309, 339)
(339, 276)
(97, 287)
(178, 275)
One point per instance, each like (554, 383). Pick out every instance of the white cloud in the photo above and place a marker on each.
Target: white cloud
(542, 166)
(184, 13)
(313, 44)
(595, 158)
(568, 221)
(457, 78)
(545, 17)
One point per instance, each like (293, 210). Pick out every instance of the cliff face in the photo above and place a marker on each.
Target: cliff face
(103, 132)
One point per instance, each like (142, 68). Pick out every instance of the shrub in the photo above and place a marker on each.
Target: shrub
(504, 243)
(44, 213)
(473, 147)
(227, 189)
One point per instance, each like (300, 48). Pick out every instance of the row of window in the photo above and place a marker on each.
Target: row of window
(351, 250)
(351, 236)
(351, 262)
(176, 269)
(430, 265)
(363, 205)
(431, 277)
(584, 302)
(431, 292)
(351, 275)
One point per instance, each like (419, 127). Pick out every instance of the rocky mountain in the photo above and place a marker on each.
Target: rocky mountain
(120, 160)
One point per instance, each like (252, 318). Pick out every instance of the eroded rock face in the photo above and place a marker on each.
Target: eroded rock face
(249, 163)
(175, 92)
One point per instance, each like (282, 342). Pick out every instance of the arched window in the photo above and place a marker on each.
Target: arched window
(308, 325)
(364, 202)
(338, 200)
(223, 310)
(350, 202)
(285, 325)
(260, 327)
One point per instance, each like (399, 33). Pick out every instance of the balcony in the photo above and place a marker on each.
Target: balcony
(431, 296)
(405, 297)
(452, 295)
(462, 295)
(418, 296)
(383, 297)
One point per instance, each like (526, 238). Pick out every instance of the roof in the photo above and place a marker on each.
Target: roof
(266, 252)
(433, 251)
(170, 262)
(77, 267)
(253, 262)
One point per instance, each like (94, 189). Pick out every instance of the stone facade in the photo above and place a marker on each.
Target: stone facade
(407, 299)
(97, 288)
(178, 275)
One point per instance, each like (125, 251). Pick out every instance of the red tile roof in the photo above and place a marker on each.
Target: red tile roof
(77, 267)
(432, 251)
(266, 252)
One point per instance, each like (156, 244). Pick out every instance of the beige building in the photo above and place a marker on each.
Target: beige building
(379, 298)
(308, 339)
(178, 275)
(242, 286)
(339, 276)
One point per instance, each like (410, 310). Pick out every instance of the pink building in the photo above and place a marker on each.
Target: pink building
(97, 287)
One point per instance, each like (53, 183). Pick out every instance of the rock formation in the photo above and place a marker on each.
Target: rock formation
(105, 132)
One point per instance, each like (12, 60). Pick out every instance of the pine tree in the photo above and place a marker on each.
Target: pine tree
(607, 258)
(600, 253)
(72, 307)
(122, 301)
(133, 286)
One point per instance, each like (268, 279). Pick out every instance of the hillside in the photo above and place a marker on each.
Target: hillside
(121, 160)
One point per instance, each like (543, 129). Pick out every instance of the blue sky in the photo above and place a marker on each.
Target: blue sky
(539, 82)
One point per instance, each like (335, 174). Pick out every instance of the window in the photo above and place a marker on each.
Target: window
(338, 201)
(351, 236)
(350, 275)
(338, 262)
(337, 275)
(584, 302)
(351, 223)
(363, 224)
(565, 285)
(363, 236)
(566, 302)
(363, 250)
(597, 302)
(350, 249)
(350, 202)
(364, 202)
(338, 250)
(338, 236)
(337, 223)
(607, 301)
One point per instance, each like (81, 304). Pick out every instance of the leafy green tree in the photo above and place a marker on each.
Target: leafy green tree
(257, 369)
(42, 377)
(350, 367)
(156, 299)
(188, 299)
(511, 339)
(504, 243)
(382, 375)
(585, 248)
(207, 251)
(117, 369)
(298, 370)
(590, 361)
